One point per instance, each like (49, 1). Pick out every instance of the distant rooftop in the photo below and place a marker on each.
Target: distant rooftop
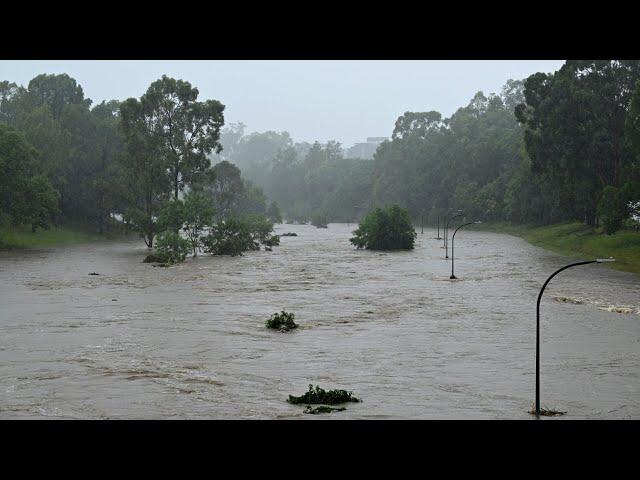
(366, 149)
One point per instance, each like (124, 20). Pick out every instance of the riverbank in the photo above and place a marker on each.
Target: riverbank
(578, 240)
(23, 237)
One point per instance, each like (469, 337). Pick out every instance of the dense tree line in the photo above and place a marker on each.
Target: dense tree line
(554, 147)
(73, 148)
(141, 164)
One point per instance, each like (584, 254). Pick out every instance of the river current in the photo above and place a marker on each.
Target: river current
(189, 341)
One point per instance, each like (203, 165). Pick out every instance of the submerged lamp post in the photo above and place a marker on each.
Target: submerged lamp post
(452, 277)
(446, 233)
(598, 260)
(438, 229)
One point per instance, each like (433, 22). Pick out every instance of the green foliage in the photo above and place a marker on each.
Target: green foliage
(282, 321)
(171, 247)
(579, 240)
(632, 122)
(388, 228)
(198, 214)
(171, 216)
(186, 131)
(226, 189)
(273, 241)
(24, 237)
(25, 197)
(574, 124)
(316, 395)
(42, 203)
(229, 237)
(258, 227)
(235, 235)
(610, 210)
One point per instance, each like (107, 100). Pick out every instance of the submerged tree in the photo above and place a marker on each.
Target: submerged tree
(144, 186)
(198, 215)
(387, 228)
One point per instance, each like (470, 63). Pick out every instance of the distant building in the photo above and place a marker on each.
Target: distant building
(365, 149)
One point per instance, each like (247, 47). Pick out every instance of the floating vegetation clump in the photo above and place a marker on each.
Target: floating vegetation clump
(322, 409)
(317, 395)
(282, 321)
(544, 412)
(616, 309)
(575, 301)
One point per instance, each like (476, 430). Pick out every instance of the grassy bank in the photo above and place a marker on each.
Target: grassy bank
(578, 240)
(22, 237)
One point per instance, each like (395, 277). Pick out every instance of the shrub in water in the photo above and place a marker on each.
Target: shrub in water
(316, 395)
(235, 235)
(387, 228)
(274, 241)
(282, 321)
(171, 247)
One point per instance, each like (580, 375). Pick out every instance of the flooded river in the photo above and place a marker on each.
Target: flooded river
(189, 341)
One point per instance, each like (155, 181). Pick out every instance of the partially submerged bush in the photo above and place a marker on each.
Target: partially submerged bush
(317, 395)
(238, 234)
(171, 247)
(546, 412)
(273, 241)
(388, 228)
(282, 321)
(229, 237)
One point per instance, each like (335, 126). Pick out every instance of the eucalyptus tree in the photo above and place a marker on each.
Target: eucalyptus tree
(144, 185)
(186, 131)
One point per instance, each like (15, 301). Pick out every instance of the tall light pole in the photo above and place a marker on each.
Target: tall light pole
(598, 260)
(453, 237)
(438, 229)
(446, 233)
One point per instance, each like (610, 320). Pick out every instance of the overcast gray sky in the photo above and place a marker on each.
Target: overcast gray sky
(345, 100)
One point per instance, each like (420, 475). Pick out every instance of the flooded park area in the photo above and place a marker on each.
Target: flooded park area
(189, 341)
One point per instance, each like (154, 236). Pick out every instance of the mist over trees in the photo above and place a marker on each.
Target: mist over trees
(119, 165)
(554, 147)
(551, 148)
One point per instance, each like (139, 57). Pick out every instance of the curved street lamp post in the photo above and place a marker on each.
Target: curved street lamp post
(598, 260)
(446, 233)
(453, 237)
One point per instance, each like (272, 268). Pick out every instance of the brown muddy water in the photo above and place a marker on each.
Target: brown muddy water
(189, 341)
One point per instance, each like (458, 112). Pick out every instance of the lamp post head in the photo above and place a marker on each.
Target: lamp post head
(478, 222)
(605, 260)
